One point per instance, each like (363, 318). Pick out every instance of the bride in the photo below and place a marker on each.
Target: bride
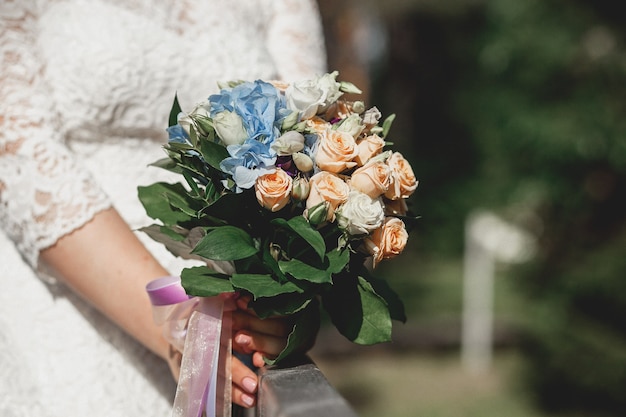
(85, 89)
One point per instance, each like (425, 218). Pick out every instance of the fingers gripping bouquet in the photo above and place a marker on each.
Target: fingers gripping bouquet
(294, 188)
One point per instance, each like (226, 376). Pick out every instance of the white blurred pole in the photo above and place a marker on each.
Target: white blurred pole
(487, 239)
(478, 283)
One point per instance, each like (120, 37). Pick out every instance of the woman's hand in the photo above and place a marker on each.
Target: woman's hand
(251, 335)
(259, 337)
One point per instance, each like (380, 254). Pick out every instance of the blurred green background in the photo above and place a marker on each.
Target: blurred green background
(518, 108)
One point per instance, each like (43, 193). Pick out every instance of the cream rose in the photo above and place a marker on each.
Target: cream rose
(288, 143)
(368, 147)
(351, 125)
(328, 187)
(229, 127)
(307, 96)
(199, 113)
(273, 190)
(387, 241)
(360, 214)
(404, 182)
(335, 151)
(372, 179)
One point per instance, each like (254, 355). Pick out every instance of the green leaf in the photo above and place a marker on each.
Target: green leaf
(302, 271)
(193, 137)
(168, 164)
(337, 259)
(192, 184)
(357, 311)
(213, 153)
(387, 124)
(173, 119)
(179, 241)
(263, 285)
(280, 305)
(204, 282)
(301, 226)
(156, 201)
(303, 333)
(226, 243)
(393, 301)
(230, 207)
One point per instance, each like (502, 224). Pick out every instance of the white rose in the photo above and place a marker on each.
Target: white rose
(360, 214)
(351, 125)
(289, 143)
(229, 127)
(187, 120)
(308, 97)
(330, 88)
(304, 97)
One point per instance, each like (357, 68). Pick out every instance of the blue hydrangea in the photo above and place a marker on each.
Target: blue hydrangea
(259, 104)
(177, 134)
(247, 162)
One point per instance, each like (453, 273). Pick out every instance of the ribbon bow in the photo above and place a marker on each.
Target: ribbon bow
(200, 328)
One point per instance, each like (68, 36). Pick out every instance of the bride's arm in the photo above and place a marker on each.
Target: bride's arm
(106, 264)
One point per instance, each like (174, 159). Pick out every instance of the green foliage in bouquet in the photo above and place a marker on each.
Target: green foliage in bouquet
(292, 254)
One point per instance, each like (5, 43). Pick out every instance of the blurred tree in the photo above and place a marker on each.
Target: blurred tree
(518, 106)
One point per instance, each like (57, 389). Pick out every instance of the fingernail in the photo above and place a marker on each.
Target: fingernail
(249, 384)
(247, 400)
(242, 339)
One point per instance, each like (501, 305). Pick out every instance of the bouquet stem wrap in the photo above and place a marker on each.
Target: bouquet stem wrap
(200, 328)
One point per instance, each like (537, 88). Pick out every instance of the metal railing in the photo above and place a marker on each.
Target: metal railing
(298, 389)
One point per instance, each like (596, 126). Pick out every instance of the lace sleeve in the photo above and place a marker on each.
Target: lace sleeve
(44, 193)
(295, 39)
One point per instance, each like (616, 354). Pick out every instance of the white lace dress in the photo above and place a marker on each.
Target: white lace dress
(85, 92)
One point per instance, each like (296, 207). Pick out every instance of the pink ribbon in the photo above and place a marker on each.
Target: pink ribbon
(200, 328)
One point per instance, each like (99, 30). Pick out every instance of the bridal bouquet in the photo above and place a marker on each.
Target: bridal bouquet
(288, 190)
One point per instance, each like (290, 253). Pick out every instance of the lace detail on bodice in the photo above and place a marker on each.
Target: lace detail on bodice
(105, 72)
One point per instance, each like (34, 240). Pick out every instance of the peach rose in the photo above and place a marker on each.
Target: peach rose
(335, 151)
(387, 241)
(328, 187)
(404, 182)
(368, 147)
(273, 189)
(372, 179)
(317, 124)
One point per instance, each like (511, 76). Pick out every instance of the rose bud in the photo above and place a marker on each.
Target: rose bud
(300, 189)
(318, 214)
(303, 162)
